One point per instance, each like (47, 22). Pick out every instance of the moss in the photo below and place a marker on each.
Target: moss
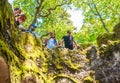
(11, 59)
(20, 70)
(116, 28)
(65, 76)
(88, 79)
(57, 57)
(92, 73)
(6, 52)
(72, 66)
(64, 58)
(86, 45)
(108, 50)
(97, 81)
(104, 38)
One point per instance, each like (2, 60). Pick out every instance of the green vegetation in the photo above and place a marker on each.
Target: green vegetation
(98, 15)
(88, 79)
(25, 54)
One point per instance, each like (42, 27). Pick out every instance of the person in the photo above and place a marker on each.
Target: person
(45, 40)
(20, 19)
(51, 43)
(17, 12)
(69, 40)
(31, 29)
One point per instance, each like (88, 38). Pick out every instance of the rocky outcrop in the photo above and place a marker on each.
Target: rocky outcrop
(107, 64)
(29, 62)
(29, 80)
(4, 72)
(105, 38)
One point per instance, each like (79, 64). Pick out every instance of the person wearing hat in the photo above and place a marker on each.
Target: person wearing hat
(69, 40)
(31, 29)
(17, 12)
(20, 19)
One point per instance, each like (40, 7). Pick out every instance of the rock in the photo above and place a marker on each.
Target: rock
(63, 80)
(99, 75)
(29, 79)
(88, 79)
(106, 37)
(116, 29)
(4, 72)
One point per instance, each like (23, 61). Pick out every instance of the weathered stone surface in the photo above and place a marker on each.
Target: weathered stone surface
(109, 70)
(4, 72)
(29, 79)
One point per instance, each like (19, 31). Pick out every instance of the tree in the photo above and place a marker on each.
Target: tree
(109, 10)
(53, 15)
(21, 50)
(106, 15)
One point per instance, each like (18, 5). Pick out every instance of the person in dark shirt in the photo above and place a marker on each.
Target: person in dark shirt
(69, 40)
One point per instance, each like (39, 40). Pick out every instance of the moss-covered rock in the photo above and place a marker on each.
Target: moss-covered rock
(27, 58)
(109, 49)
(106, 37)
(88, 79)
(86, 45)
(116, 28)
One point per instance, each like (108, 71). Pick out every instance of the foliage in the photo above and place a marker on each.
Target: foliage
(26, 54)
(57, 20)
(92, 27)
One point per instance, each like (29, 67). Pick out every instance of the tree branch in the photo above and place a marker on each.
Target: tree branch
(38, 2)
(100, 17)
(51, 9)
(88, 3)
(38, 10)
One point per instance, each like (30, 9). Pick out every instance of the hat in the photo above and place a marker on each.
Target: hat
(33, 25)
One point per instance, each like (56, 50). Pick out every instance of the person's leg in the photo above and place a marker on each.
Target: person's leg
(71, 47)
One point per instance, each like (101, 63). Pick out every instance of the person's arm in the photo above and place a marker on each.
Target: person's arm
(75, 43)
(61, 42)
(22, 28)
(55, 42)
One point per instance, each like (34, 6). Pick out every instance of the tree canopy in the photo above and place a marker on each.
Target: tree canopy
(51, 15)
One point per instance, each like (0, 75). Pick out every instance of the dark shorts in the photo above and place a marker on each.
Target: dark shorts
(69, 47)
